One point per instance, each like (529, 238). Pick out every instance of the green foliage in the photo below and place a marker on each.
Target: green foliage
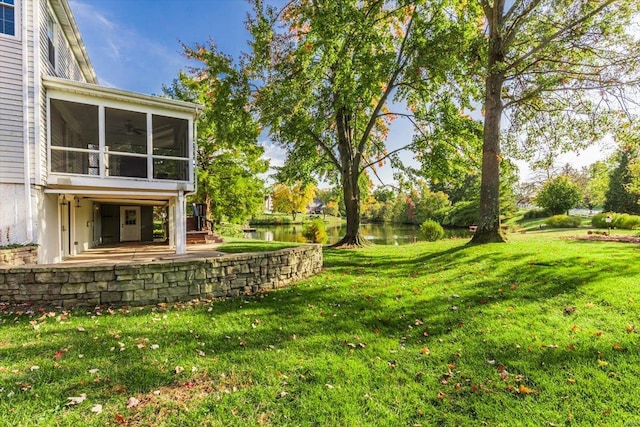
(315, 231)
(271, 220)
(462, 214)
(431, 230)
(535, 213)
(622, 194)
(332, 70)
(618, 220)
(563, 221)
(229, 230)
(229, 156)
(558, 195)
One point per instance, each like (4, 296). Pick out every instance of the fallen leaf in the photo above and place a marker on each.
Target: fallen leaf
(618, 347)
(76, 399)
(598, 334)
(630, 328)
(132, 402)
(58, 354)
(34, 368)
(571, 381)
(441, 395)
(94, 371)
(329, 386)
(603, 363)
(119, 418)
(154, 347)
(425, 350)
(96, 409)
(524, 390)
(179, 369)
(80, 329)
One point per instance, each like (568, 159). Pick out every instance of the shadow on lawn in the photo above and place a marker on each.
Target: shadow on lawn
(384, 293)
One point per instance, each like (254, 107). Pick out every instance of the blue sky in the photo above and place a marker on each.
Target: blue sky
(136, 44)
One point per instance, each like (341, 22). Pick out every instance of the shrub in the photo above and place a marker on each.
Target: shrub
(431, 230)
(563, 221)
(535, 214)
(558, 195)
(623, 221)
(315, 231)
(229, 230)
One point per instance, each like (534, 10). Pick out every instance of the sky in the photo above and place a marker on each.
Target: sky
(136, 45)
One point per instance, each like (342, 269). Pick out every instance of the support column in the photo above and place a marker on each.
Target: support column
(181, 224)
(172, 222)
(178, 223)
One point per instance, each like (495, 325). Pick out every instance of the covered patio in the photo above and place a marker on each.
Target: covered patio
(135, 252)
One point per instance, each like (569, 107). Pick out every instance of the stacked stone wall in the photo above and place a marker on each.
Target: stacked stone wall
(23, 255)
(159, 281)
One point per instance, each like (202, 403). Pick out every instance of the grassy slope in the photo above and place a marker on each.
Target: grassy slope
(537, 331)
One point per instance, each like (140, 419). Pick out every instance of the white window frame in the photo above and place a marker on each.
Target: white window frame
(51, 32)
(18, 21)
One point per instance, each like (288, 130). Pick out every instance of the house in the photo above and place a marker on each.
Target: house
(82, 164)
(315, 207)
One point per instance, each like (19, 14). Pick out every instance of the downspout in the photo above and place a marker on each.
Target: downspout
(25, 127)
(37, 95)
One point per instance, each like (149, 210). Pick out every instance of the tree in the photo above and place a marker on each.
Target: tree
(558, 195)
(292, 199)
(330, 70)
(597, 183)
(229, 159)
(620, 196)
(552, 68)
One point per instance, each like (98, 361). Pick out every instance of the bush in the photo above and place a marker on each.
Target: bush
(558, 195)
(315, 231)
(622, 221)
(431, 230)
(229, 230)
(535, 214)
(563, 221)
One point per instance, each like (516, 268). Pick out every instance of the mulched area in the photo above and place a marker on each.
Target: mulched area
(606, 238)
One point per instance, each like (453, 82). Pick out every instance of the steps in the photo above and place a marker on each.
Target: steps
(202, 237)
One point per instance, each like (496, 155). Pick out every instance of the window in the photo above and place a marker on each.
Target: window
(51, 47)
(74, 138)
(136, 144)
(170, 148)
(8, 17)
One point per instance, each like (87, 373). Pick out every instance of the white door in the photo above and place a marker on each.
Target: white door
(129, 223)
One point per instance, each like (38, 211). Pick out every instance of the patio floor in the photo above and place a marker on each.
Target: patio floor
(139, 253)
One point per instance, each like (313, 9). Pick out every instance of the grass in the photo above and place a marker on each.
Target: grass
(540, 331)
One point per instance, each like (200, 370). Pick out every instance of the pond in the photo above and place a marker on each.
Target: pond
(379, 234)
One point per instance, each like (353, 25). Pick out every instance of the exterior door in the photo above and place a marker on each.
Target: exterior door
(129, 223)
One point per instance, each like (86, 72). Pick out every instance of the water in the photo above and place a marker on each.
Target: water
(379, 234)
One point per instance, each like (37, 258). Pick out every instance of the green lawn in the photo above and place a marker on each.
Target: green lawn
(540, 331)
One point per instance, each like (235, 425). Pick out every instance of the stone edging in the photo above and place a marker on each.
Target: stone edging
(23, 255)
(160, 281)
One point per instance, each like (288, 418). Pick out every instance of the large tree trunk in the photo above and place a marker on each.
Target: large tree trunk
(488, 230)
(351, 191)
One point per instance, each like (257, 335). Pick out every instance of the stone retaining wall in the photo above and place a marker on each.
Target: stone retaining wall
(160, 281)
(23, 255)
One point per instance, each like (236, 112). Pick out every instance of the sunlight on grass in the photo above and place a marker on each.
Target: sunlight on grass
(539, 331)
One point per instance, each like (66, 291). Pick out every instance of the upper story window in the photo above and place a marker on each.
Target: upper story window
(51, 38)
(8, 17)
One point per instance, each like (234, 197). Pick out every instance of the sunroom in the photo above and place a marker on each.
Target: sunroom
(113, 159)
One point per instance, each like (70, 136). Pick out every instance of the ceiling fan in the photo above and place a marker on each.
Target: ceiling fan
(129, 129)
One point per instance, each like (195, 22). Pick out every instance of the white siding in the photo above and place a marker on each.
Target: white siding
(11, 112)
(67, 67)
